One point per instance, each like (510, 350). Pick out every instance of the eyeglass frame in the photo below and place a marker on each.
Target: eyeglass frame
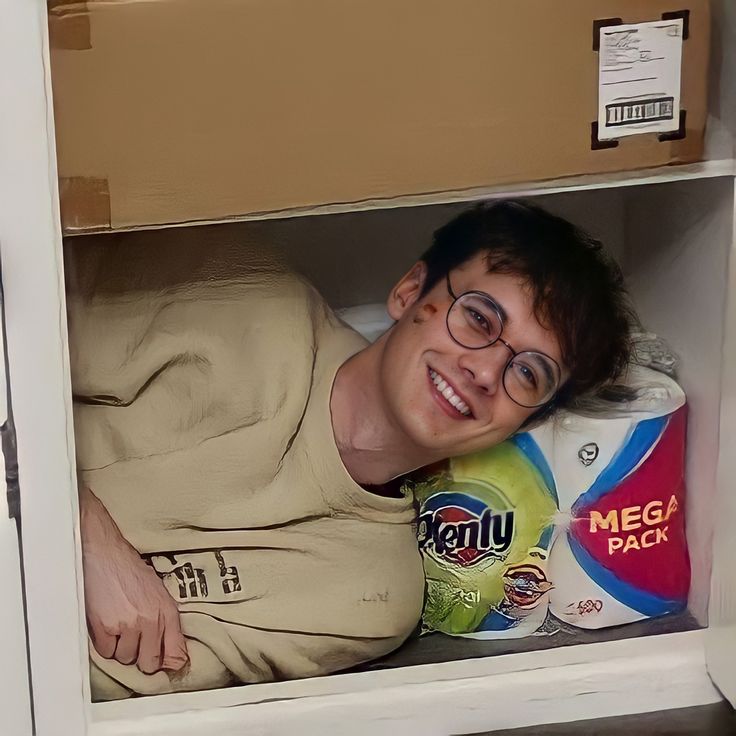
(513, 352)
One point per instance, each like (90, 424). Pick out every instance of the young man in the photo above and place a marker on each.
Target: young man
(236, 444)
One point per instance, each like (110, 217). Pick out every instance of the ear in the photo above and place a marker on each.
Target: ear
(407, 290)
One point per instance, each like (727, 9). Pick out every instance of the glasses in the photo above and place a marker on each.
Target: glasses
(474, 321)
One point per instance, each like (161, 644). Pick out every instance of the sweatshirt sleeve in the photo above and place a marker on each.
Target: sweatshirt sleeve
(257, 656)
(185, 400)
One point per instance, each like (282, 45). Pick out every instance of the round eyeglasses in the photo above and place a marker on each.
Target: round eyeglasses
(474, 321)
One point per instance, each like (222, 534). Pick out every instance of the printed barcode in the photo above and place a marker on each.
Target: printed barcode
(640, 111)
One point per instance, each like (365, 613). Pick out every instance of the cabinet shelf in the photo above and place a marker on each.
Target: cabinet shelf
(607, 677)
(436, 647)
(641, 177)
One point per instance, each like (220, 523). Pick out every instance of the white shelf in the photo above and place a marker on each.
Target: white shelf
(659, 175)
(514, 690)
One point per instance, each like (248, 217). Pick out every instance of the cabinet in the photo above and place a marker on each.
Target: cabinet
(672, 229)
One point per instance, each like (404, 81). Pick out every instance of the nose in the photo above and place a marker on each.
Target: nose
(485, 367)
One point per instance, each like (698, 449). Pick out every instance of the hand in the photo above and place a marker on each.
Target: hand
(130, 615)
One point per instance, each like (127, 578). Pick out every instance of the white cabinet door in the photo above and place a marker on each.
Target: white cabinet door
(31, 254)
(721, 634)
(15, 691)
(15, 696)
(15, 701)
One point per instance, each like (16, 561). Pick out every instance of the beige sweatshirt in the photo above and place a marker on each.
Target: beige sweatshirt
(202, 423)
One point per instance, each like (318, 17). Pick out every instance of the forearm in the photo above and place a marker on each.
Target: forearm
(130, 615)
(97, 527)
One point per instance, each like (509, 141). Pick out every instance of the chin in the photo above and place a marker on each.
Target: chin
(443, 443)
(476, 444)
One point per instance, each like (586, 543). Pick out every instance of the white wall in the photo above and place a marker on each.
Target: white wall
(721, 130)
(678, 240)
(351, 258)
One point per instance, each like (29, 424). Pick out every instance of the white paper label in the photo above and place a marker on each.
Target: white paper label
(639, 78)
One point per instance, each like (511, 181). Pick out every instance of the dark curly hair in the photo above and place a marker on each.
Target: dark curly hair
(578, 289)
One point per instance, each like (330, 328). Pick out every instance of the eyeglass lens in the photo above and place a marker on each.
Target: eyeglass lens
(530, 378)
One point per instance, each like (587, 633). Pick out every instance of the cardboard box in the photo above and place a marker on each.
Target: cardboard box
(176, 111)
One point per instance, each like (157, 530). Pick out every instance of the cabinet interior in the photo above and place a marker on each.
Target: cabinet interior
(672, 241)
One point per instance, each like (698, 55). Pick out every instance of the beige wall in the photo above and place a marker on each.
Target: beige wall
(352, 258)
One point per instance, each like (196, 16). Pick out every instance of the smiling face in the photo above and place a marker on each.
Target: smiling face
(447, 399)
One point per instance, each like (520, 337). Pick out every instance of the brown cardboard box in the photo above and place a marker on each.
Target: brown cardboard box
(174, 111)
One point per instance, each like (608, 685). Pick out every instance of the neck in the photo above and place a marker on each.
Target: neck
(372, 446)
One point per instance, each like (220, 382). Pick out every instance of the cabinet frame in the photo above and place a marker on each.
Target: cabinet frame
(38, 373)
(609, 678)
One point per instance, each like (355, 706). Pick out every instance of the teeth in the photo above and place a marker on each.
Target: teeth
(446, 390)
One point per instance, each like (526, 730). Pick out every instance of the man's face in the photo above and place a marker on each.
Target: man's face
(419, 348)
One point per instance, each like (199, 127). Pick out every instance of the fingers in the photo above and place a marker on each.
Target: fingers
(154, 646)
(102, 641)
(150, 648)
(126, 651)
(175, 654)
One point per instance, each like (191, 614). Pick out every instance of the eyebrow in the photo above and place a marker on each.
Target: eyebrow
(504, 314)
(547, 370)
(501, 311)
